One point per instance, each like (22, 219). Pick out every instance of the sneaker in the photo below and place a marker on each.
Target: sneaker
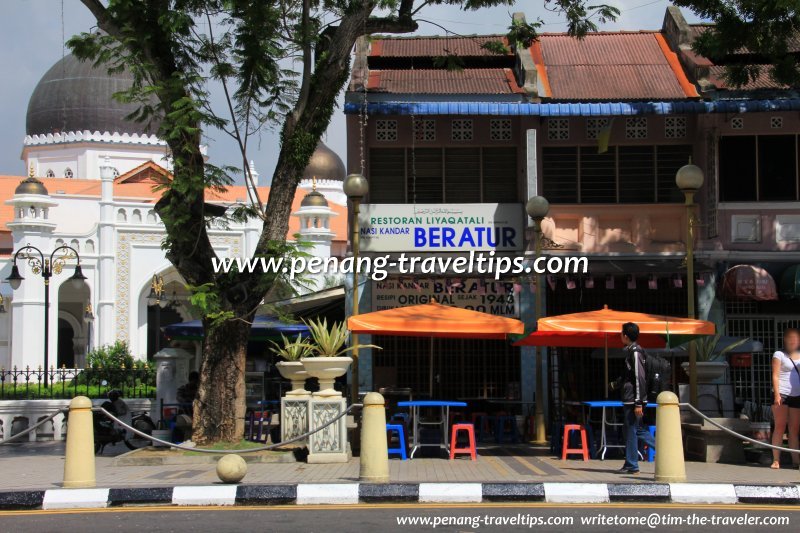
(628, 470)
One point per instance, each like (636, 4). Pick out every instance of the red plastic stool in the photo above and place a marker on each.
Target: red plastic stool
(470, 449)
(566, 450)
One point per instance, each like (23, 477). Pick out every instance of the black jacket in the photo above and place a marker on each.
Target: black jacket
(633, 381)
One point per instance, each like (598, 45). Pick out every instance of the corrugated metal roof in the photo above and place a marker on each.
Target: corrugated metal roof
(603, 48)
(764, 81)
(430, 81)
(623, 82)
(434, 46)
(574, 109)
(609, 66)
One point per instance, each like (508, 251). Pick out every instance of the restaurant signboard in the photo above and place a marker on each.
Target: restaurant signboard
(499, 298)
(441, 227)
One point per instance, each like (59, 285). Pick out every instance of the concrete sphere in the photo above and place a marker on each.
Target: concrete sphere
(231, 468)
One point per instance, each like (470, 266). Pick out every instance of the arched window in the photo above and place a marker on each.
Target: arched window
(50, 173)
(68, 173)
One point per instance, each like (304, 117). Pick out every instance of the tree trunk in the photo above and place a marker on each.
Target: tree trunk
(219, 409)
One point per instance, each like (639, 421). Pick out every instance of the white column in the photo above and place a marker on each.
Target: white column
(105, 297)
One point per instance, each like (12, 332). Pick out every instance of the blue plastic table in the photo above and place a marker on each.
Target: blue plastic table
(606, 405)
(444, 406)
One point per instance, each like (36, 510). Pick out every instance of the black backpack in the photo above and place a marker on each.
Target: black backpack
(659, 374)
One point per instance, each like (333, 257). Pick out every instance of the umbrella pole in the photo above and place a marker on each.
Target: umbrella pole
(605, 363)
(430, 373)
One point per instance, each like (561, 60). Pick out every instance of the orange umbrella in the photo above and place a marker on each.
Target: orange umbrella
(608, 323)
(585, 339)
(435, 320)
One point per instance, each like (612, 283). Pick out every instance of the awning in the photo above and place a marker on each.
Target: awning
(790, 283)
(573, 109)
(748, 282)
(435, 320)
(264, 328)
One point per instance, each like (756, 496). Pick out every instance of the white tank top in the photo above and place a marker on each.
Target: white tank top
(789, 378)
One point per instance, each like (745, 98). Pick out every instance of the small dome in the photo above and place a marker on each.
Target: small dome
(76, 96)
(31, 186)
(314, 199)
(325, 165)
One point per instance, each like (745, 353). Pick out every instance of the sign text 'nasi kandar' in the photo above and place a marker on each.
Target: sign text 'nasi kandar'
(441, 227)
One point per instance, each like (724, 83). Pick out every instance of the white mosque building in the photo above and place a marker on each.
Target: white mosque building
(89, 185)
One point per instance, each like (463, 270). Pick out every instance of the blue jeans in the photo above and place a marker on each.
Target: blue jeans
(635, 432)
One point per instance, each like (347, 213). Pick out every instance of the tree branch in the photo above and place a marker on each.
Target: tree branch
(104, 20)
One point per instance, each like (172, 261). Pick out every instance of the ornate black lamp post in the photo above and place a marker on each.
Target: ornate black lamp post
(46, 266)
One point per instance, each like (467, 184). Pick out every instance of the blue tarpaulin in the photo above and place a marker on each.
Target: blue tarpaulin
(264, 328)
(585, 109)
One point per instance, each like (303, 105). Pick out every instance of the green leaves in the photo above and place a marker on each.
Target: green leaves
(751, 38)
(329, 342)
(292, 350)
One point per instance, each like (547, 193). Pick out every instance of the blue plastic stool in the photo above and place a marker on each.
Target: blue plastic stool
(401, 439)
(651, 453)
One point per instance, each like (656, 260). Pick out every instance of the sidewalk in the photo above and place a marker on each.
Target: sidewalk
(38, 466)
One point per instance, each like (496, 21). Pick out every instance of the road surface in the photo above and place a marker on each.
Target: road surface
(411, 517)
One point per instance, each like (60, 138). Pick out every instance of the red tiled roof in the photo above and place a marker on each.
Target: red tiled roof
(143, 192)
(612, 65)
(434, 46)
(430, 81)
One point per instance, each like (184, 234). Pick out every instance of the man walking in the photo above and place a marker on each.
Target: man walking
(633, 385)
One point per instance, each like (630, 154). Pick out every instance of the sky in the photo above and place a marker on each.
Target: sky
(32, 33)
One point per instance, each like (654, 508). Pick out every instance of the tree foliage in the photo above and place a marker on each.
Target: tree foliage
(281, 64)
(751, 37)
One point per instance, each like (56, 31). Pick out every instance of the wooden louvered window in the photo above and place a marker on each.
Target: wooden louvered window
(598, 176)
(560, 170)
(637, 177)
(462, 175)
(444, 175)
(623, 174)
(500, 175)
(669, 158)
(387, 175)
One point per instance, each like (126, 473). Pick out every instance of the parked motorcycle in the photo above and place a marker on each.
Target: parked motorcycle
(106, 432)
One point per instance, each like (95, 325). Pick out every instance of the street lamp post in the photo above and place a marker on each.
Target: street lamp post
(88, 317)
(537, 208)
(356, 188)
(158, 299)
(689, 179)
(46, 266)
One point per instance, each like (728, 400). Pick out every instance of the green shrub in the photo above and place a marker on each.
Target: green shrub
(110, 356)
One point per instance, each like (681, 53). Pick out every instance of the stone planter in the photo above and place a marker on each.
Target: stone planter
(708, 371)
(326, 369)
(295, 372)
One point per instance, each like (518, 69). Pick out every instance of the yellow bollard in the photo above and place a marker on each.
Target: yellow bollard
(79, 460)
(374, 449)
(670, 467)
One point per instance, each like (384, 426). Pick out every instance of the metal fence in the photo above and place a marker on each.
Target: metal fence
(65, 383)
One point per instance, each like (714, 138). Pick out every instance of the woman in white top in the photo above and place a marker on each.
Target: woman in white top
(786, 391)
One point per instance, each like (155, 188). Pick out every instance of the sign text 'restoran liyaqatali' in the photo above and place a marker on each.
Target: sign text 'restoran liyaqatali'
(441, 227)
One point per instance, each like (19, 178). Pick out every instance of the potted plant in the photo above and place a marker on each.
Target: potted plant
(292, 368)
(711, 363)
(328, 361)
